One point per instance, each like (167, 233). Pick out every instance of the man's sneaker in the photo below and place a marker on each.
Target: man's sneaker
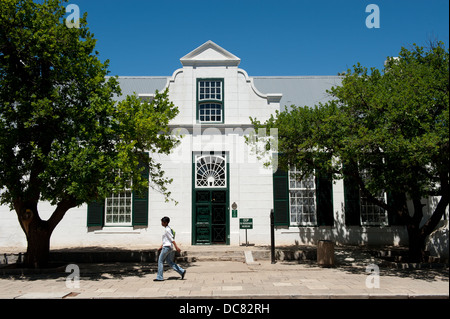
(182, 276)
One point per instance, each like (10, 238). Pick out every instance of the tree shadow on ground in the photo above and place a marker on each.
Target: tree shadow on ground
(95, 272)
(93, 263)
(358, 260)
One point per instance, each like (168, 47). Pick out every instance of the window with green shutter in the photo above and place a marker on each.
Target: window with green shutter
(359, 210)
(302, 199)
(210, 101)
(310, 199)
(302, 202)
(125, 208)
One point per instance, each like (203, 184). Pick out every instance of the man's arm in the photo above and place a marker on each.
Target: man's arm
(176, 247)
(170, 236)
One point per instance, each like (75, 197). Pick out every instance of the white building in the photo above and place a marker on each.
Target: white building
(217, 180)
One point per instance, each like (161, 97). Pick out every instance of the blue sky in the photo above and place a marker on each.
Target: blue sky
(283, 37)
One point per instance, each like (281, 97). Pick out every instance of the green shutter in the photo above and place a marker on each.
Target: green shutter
(140, 200)
(396, 201)
(281, 198)
(95, 213)
(352, 203)
(324, 198)
(351, 197)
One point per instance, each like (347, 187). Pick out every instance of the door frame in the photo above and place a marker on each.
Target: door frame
(193, 197)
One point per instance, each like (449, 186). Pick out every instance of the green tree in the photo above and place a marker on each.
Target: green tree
(63, 136)
(386, 131)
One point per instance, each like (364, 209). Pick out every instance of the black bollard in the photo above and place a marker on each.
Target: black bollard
(272, 237)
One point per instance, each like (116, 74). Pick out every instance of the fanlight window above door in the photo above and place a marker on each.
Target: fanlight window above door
(210, 172)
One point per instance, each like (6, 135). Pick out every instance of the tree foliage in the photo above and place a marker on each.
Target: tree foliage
(64, 138)
(390, 127)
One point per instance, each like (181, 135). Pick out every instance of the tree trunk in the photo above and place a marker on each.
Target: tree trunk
(416, 252)
(418, 235)
(38, 249)
(37, 231)
(416, 240)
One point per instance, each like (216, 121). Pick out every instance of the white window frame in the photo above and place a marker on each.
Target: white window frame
(294, 189)
(110, 203)
(369, 211)
(210, 98)
(212, 85)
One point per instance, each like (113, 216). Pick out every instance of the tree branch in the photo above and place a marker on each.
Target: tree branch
(368, 194)
(63, 206)
(433, 221)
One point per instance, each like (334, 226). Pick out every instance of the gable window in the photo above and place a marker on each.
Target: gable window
(302, 198)
(210, 112)
(210, 101)
(210, 90)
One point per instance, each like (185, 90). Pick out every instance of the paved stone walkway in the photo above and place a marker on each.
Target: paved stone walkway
(229, 279)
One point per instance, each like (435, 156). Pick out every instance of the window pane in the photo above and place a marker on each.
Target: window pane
(210, 90)
(302, 195)
(118, 209)
(210, 171)
(372, 214)
(210, 112)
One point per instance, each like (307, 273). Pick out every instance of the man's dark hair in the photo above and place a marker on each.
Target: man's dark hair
(165, 219)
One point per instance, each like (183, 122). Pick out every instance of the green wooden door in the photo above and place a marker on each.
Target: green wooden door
(210, 198)
(210, 218)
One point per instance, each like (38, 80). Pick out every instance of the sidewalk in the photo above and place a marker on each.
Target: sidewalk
(229, 279)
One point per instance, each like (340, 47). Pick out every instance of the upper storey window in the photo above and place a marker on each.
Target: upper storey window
(210, 101)
(210, 90)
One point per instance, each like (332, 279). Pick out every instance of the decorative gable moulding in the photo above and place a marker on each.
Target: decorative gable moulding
(210, 54)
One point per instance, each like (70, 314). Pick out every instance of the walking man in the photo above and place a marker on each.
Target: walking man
(167, 253)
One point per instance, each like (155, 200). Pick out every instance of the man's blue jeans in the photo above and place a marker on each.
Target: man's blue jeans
(167, 254)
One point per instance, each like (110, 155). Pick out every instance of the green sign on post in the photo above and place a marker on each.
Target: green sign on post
(245, 223)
